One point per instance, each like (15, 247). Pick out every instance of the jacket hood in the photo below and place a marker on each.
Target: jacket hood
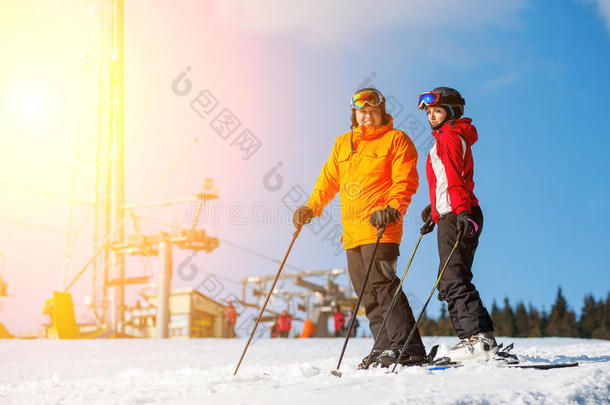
(461, 126)
(367, 132)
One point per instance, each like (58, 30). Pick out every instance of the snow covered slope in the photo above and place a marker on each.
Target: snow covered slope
(286, 372)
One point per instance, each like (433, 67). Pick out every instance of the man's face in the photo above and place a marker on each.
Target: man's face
(368, 115)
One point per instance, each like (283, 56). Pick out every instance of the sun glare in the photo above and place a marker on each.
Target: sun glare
(30, 102)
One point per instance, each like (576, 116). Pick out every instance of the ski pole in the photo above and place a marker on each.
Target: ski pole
(414, 328)
(355, 313)
(398, 289)
(260, 315)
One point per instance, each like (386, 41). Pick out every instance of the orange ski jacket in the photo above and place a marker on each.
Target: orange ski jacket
(371, 168)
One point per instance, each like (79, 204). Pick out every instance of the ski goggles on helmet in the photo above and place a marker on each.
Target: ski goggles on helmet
(371, 97)
(427, 99)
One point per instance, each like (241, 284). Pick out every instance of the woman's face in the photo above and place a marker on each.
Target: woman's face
(369, 115)
(436, 115)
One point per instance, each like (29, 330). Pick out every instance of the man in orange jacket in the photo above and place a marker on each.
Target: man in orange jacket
(373, 167)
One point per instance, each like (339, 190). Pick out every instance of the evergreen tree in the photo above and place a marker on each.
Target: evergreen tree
(495, 317)
(590, 318)
(530, 322)
(603, 330)
(562, 321)
(536, 322)
(444, 325)
(544, 321)
(522, 322)
(504, 320)
(427, 326)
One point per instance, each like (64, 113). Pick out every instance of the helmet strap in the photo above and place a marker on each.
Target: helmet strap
(450, 110)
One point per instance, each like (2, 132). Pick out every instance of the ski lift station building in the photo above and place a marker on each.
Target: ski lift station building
(192, 315)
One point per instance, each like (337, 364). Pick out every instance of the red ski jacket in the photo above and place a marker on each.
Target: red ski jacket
(283, 323)
(230, 314)
(449, 168)
(339, 321)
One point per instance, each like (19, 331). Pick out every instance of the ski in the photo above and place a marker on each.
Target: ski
(445, 367)
(503, 359)
(548, 366)
(543, 366)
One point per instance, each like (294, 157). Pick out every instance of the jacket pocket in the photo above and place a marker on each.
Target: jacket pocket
(344, 155)
(376, 161)
(343, 161)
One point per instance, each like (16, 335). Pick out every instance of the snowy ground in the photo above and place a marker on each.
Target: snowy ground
(199, 371)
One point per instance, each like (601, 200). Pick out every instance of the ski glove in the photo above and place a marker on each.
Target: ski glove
(302, 216)
(466, 226)
(382, 218)
(426, 216)
(427, 227)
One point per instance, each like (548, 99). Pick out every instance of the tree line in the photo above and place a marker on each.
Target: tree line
(527, 321)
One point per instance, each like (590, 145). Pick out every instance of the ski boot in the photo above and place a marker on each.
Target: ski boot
(366, 362)
(479, 347)
(390, 356)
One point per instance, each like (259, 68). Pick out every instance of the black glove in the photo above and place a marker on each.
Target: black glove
(426, 214)
(466, 226)
(382, 218)
(302, 216)
(427, 227)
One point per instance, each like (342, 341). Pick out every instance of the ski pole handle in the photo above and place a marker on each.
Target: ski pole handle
(427, 227)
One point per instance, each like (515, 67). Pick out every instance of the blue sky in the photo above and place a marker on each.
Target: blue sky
(535, 79)
(534, 76)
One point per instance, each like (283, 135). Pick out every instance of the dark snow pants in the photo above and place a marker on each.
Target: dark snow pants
(467, 313)
(378, 294)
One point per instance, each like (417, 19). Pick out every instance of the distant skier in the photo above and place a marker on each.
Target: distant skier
(339, 319)
(230, 320)
(356, 324)
(283, 324)
(373, 167)
(454, 207)
(274, 333)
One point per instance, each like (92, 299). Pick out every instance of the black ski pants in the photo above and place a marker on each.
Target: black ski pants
(377, 296)
(467, 313)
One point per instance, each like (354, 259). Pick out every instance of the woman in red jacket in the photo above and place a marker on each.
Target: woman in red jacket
(339, 319)
(455, 208)
(230, 320)
(284, 324)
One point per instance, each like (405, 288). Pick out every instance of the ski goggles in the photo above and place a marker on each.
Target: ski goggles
(427, 99)
(371, 97)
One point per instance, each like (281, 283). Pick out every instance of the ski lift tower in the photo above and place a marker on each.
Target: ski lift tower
(110, 187)
(104, 68)
(103, 71)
